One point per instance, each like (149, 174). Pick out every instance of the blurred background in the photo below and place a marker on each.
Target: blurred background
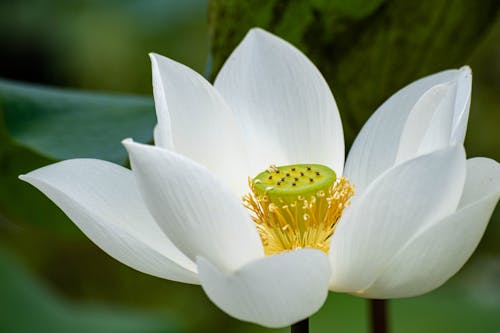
(75, 79)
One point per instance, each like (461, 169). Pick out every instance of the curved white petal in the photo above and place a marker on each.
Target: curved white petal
(274, 291)
(376, 147)
(483, 178)
(102, 199)
(194, 120)
(436, 253)
(429, 124)
(200, 215)
(438, 119)
(462, 105)
(392, 209)
(284, 106)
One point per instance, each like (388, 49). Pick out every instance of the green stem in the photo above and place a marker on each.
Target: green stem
(300, 327)
(379, 323)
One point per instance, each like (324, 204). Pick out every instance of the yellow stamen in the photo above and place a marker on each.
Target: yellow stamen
(304, 221)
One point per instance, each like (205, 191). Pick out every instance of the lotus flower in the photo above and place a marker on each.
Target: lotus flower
(418, 207)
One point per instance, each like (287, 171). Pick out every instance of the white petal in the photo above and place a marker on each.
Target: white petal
(376, 147)
(284, 105)
(482, 179)
(429, 124)
(436, 253)
(102, 199)
(199, 214)
(274, 291)
(194, 120)
(462, 105)
(159, 138)
(392, 209)
(438, 119)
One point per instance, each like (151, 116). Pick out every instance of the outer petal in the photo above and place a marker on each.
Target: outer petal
(101, 198)
(274, 291)
(284, 106)
(376, 147)
(199, 214)
(391, 210)
(436, 253)
(194, 120)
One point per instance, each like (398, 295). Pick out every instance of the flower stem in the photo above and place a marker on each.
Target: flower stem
(300, 327)
(379, 316)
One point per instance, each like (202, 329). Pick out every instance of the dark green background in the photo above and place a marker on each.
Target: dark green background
(52, 279)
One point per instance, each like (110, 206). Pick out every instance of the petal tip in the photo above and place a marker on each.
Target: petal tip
(127, 141)
(466, 69)
(259, 35)
(153, 56)
(465, 74)
(158, 59)
(256, 31)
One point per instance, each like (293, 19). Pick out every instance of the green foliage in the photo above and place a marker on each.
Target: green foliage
(63, 124)
(28, 307)
(43, 125)
(99, 45)
(356, 9)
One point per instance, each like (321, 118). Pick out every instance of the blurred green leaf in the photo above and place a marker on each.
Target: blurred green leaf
(351, 9)
(63, 124)
(26, 307)
(39, 126)
(99, 45)
(16, 196)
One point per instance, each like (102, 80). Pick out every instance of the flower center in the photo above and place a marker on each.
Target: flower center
(297, 206)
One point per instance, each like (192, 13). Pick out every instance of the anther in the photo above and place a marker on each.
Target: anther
(283, 179)
(296, 179)
(288, 175)
(272, 168)
(302, 174)
(293, 169)
(278, 183)
(317, 173)
(308, 168)
(270, 177)
(311, 180)
(293, 184)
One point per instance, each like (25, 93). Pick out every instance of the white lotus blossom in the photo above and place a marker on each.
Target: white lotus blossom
(418, 212)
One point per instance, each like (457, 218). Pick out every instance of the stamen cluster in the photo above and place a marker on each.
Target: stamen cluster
(305, 221)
